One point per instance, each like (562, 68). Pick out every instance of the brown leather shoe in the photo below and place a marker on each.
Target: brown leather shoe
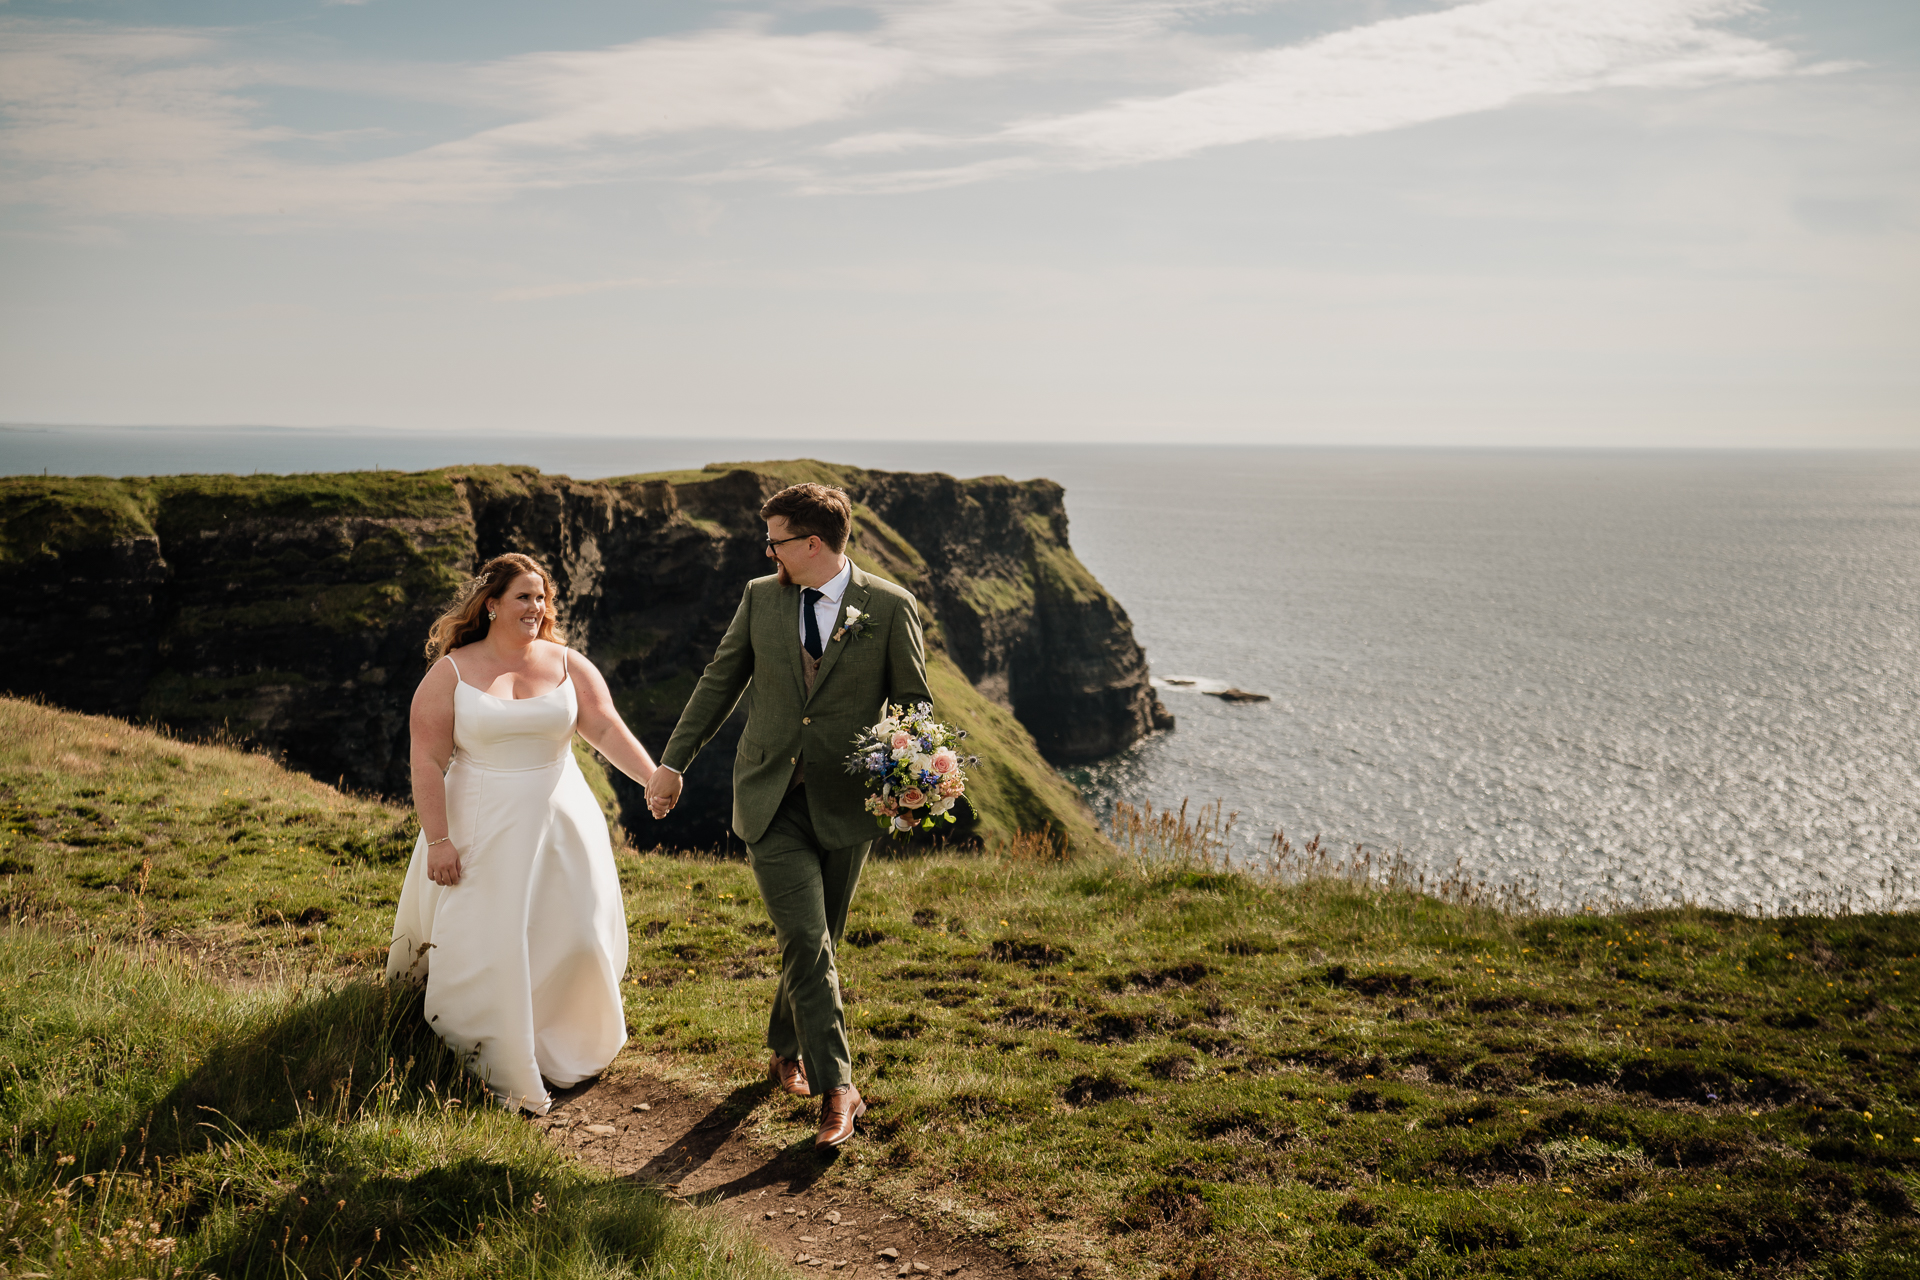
(837, 1114)
(790, 1074)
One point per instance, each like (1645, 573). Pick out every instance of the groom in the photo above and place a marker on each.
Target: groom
(819, 648)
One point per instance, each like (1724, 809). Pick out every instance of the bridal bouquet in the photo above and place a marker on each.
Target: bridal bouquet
(913, 766)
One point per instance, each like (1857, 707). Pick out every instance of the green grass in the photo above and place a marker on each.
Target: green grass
(160, 1123)
(42, 518)
(1135, 1065)
(135, 835)
(1158, 1064)
(48, 516)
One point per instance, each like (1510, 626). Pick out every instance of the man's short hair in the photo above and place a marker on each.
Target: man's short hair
(816, 510)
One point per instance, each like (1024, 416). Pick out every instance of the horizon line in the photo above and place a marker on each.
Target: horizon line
(1028, 441)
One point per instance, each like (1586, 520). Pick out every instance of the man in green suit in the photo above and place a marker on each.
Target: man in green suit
(818, 648)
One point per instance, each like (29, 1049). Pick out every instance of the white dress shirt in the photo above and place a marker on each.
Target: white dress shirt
(827, 608)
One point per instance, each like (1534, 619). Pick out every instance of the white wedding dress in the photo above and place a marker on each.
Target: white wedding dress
(523, 958)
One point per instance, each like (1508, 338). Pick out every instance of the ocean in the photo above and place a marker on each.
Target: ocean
(1604, 677)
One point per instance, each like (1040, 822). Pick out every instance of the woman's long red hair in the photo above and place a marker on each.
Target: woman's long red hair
(466, 618)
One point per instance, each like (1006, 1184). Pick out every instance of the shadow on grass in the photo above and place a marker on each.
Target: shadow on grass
(325, 1056)
(489, 1215)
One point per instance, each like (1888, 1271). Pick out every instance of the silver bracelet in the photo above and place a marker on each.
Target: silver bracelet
(441, 840)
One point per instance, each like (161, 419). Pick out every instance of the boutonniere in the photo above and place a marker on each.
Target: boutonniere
(856, 624)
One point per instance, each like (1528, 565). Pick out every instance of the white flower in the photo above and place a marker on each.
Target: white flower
(853, 614)
(903, 824)
(940, 806)
(922, 763)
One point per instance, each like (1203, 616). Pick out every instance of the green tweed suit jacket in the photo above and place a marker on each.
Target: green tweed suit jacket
(859, 674)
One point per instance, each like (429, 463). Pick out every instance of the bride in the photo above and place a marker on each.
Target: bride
(511, 910)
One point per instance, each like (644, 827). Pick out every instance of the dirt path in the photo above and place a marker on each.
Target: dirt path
(653, 1130)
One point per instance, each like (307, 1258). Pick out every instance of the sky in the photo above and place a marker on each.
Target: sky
(1478, 222)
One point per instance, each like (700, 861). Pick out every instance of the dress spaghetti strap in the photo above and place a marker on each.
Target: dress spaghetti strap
(456, 669)
(566, 665)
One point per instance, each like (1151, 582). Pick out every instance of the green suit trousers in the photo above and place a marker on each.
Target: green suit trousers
(807, 890)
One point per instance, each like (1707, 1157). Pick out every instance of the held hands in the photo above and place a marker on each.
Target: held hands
(443, 864)
(663, 792)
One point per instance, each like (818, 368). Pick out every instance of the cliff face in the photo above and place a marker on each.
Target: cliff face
(1023, 618)
(290, 610)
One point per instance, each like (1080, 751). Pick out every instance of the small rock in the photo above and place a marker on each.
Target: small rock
(602, 1130)
(891, 1255)
(922, 1267)
(834, 1217)
(769, 1213)
(808, 1240)
(643, 1106)
(803, 1257)
(1240, 695)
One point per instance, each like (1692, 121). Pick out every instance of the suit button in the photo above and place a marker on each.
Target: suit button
(793, 760)
(806, 719)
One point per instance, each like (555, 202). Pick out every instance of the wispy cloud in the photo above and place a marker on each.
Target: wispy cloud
(115, 120)
(168, 122)
(1430, 66)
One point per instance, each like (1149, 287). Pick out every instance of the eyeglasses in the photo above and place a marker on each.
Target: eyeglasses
(775, 542)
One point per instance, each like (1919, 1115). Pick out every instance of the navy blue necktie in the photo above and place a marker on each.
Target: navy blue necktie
(811, 622)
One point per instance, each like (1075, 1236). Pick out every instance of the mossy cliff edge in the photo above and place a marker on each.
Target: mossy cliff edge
(290, 610)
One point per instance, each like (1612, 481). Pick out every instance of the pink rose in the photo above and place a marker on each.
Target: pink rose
(912, 798)
(901, 741)
(944, 761)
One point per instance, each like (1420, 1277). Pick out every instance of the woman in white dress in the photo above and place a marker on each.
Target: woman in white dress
(511, 911)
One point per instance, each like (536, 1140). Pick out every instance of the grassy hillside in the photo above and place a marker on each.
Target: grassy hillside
(209, 848)
(1140, 1065)
(161, 1123)
(1016, 790)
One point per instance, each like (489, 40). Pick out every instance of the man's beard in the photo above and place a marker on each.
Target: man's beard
(780, 570)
